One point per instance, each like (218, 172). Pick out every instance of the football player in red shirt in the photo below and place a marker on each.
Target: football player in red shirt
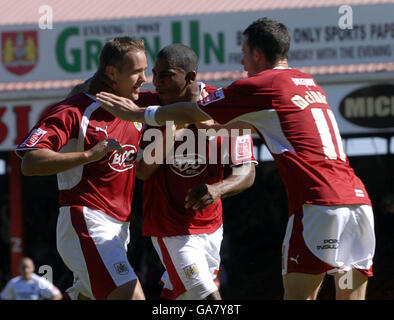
(93, 154)
(331, 225)
(188, 240)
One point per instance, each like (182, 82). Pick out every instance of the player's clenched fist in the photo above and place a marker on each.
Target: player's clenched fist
(201, 196)
(102, 148)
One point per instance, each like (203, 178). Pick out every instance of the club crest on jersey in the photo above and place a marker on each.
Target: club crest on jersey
(138, 125)
(122, 162)
(191, 271)
(35, 136)
(214, 96)
(121, 267)
(188, 166)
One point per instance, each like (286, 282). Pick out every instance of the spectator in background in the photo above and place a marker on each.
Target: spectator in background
(29, 286)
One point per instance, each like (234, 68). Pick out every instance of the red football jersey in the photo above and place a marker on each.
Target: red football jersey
(78, 124)
(291, 114)
(164, 212)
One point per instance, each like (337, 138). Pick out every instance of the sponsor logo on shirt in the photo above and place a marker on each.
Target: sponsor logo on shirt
(214, 96)
(191, 271)
(122, 162)
(35, 136)
(121, 268)
(294, 259)
(188, 166)
(103, 130)
(304, 82)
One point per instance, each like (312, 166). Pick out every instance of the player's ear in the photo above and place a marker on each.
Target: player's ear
(111, 72)
(191, 76)
(259, 55)
(261, 59)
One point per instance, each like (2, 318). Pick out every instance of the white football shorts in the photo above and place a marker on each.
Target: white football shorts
(192, 263)
(328, 238)
(93, 246)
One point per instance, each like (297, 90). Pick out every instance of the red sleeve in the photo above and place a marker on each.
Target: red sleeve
(241, 150)
(241, 97)
(53, 131)
(210, 88)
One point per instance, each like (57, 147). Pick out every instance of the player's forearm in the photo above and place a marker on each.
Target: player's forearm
(180, 113)
(239, 180)
(123, 108)
(47, 162)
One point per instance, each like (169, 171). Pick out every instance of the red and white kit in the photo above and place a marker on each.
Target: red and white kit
(291, 114)
(96, 198)
(188, 242)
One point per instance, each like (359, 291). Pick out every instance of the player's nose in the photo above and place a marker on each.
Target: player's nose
(142, 77)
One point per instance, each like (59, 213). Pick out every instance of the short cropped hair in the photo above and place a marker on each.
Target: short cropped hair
(115, 49)
(270, 36)
(179, 56)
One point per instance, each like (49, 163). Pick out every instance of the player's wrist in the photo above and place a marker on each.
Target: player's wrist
(87, 156)
(150, 116)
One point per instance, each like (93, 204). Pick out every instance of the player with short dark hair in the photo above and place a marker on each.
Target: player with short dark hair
(93, 155)
(272, 38)
(188, 240)
(330, 224)
(180, 56)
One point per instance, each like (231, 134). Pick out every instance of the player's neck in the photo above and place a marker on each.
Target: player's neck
(26, 277)
(192, 93)
(281, 64)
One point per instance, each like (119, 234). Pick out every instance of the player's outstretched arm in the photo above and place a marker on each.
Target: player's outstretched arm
(241, 178)
(179, 112)
(236, 128)
(47, 162)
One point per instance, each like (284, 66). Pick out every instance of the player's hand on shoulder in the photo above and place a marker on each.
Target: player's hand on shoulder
(120, 107)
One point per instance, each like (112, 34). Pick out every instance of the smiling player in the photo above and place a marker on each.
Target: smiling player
(188, 239)
(93, 154)
(331, 224)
